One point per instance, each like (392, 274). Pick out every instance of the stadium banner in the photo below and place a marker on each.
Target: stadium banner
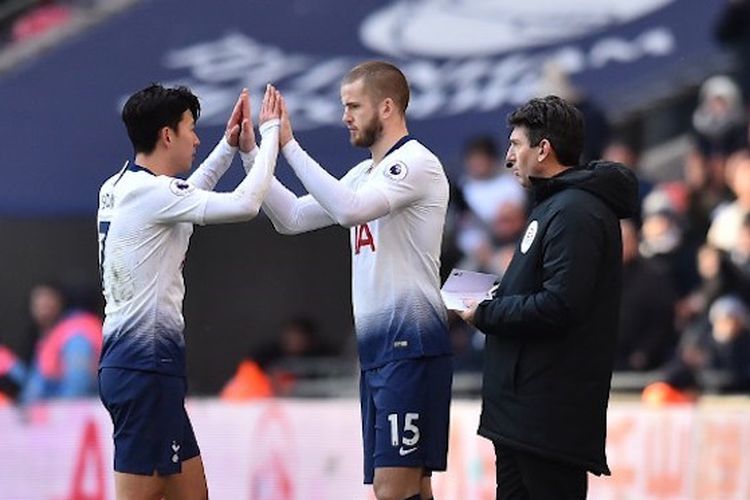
(62, 135)
(310, 450)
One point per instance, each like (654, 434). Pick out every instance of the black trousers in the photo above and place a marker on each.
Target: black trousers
(525, 476)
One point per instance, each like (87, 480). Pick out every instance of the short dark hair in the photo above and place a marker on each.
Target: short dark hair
(556, 120)
(381, 80)
(149, 110)
(481, 144)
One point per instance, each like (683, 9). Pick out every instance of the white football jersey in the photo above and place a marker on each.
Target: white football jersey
(145, 222)
(398, 310)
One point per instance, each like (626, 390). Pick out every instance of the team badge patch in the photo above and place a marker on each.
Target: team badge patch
(397, 171)
(528, 238)
(180, 187)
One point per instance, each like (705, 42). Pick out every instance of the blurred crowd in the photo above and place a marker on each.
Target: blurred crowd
(24, 21)
(59, 355)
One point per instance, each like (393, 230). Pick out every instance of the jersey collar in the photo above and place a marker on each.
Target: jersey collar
(398, 144)
(137, 168)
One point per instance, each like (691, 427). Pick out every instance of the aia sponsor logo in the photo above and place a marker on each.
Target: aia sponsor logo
(363, 239)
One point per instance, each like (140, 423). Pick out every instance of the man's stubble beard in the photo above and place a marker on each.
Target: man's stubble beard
(370, 134)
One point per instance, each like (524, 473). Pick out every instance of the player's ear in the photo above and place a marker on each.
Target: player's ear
(387, 107)
(165, 135)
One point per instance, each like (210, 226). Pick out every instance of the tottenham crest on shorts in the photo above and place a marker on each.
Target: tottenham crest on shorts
(528, 238)
(397, 171)
(180, 187)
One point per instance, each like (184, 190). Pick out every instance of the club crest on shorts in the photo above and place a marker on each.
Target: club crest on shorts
(180, 187)
(397, 171)
(175, 449)
(528, 238)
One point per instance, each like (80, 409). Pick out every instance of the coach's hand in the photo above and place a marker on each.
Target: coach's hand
(271, 107)
(468, 314)
(247, 135)
(285, 132)
(232, 133)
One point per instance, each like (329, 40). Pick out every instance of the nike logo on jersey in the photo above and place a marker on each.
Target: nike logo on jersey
(406, 451)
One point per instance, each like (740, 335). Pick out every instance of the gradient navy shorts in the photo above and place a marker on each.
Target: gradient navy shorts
(406, 414)
(152, 431)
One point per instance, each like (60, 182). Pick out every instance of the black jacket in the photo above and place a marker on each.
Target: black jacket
(552, 325)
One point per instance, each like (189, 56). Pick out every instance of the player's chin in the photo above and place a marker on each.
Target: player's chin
(360, 141)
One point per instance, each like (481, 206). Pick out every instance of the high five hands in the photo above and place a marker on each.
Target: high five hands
(239, 130)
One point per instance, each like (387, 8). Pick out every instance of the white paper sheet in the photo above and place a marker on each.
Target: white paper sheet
(464, 285)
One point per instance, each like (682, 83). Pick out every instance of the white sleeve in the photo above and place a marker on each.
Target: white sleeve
(347, 206)
(248, 159)
(180, 201)
(292, 215)
(214, 166)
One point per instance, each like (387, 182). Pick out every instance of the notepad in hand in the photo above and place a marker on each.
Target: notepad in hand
(462, 286)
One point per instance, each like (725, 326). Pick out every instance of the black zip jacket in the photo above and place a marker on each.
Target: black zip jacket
(552, 324)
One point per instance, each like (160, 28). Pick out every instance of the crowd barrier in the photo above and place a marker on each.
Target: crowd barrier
(310, 450)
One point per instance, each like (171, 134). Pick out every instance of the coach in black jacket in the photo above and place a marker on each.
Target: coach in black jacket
(552, 324)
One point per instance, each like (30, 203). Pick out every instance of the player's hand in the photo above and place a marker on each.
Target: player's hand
(247, 134)
(470, 311)
(285, 133)
(271, 108)
(232, 133)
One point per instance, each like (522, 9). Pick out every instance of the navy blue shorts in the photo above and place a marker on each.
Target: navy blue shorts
(152, 431)
(406, 414)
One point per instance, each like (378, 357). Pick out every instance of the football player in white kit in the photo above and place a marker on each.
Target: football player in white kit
(145, 219)
(395, 204)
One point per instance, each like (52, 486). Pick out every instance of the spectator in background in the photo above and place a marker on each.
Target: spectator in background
(295, 354)
(647, 336)
(721, 344)
(619, 150)
(66, 356)
(719, 121)
(485, 191)
(46, 306)
(725, 226)
(733, 29)
(556, 81)
(703, 196)
(507, 228)
(715, 280)
(719, 129)
(722, 273)
(248, 382)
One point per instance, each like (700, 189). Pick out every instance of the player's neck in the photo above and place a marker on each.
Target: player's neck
(389, 138)
(155, 163)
